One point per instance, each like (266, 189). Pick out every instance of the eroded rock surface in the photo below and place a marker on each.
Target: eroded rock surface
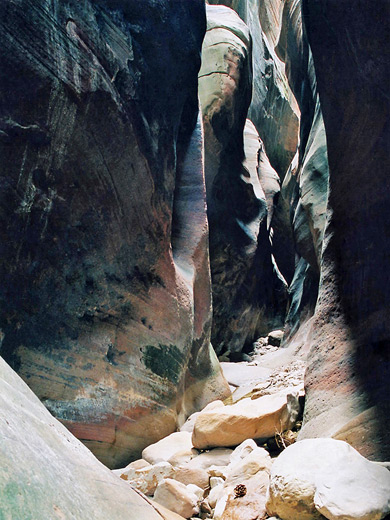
(305, 187)
(348, 376)
(273, 109)
(248, 293)
(105, 283)
(47, 473)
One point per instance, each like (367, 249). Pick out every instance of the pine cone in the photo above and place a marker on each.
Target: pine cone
(240, 491)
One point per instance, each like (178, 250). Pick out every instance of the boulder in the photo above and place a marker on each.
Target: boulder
(258, 460)
(47, 473)
(129, 471)
(362, 492)
(196, 470)
(242, 450)
(252, 503)
(188, 475)
(215, 457)
(168, 447)
(248, 419)
(182, 457)
(275, 337)
(104, 274)
(243, 494)
(147, 479)
(176, 497)
(327, 477)
(188, 426)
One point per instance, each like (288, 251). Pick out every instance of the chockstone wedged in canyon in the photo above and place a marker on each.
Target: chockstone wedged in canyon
(144, 231)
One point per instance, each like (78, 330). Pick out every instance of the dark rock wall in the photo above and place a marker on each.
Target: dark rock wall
(348, 379)
(248, 295)
(305, 187)
(105, 283)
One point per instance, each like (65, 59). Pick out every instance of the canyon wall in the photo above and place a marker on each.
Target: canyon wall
(305, 187)
(47, 473)
(249, 296)
(105, 279)
(348, 377)
(336, 61)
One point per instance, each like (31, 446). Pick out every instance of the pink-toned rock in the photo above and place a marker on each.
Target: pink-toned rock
(347, 379)
(105, 277)
(176, 497)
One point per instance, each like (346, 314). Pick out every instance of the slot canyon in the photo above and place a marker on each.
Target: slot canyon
(195, 259)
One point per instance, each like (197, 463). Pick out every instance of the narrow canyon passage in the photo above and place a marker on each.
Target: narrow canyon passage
(194, 259)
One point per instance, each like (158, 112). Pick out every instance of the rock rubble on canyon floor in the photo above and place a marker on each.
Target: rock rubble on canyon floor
(230, 476)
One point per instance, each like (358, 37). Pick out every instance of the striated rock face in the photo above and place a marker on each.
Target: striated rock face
(47, 473)
(273, 109)
(248, 294)
(305, 187)
(348, 378)
(105, 282)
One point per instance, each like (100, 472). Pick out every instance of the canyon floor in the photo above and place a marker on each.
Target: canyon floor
(241, 459)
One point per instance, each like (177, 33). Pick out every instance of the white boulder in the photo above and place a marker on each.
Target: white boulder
(166, 448)
(327, 477)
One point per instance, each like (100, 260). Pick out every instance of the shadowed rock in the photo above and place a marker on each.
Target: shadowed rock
(105, 283)
(348, 377)
(305, 187)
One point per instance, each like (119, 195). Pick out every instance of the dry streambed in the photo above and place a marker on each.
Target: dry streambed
(225, 464)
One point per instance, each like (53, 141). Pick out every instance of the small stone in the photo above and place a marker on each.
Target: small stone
(215, 481)
(196, 490)
(218, 471)
(275, 337)
(220, 507)
(205, 507)
(175, 496)
(166, 448)
(215, 494)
